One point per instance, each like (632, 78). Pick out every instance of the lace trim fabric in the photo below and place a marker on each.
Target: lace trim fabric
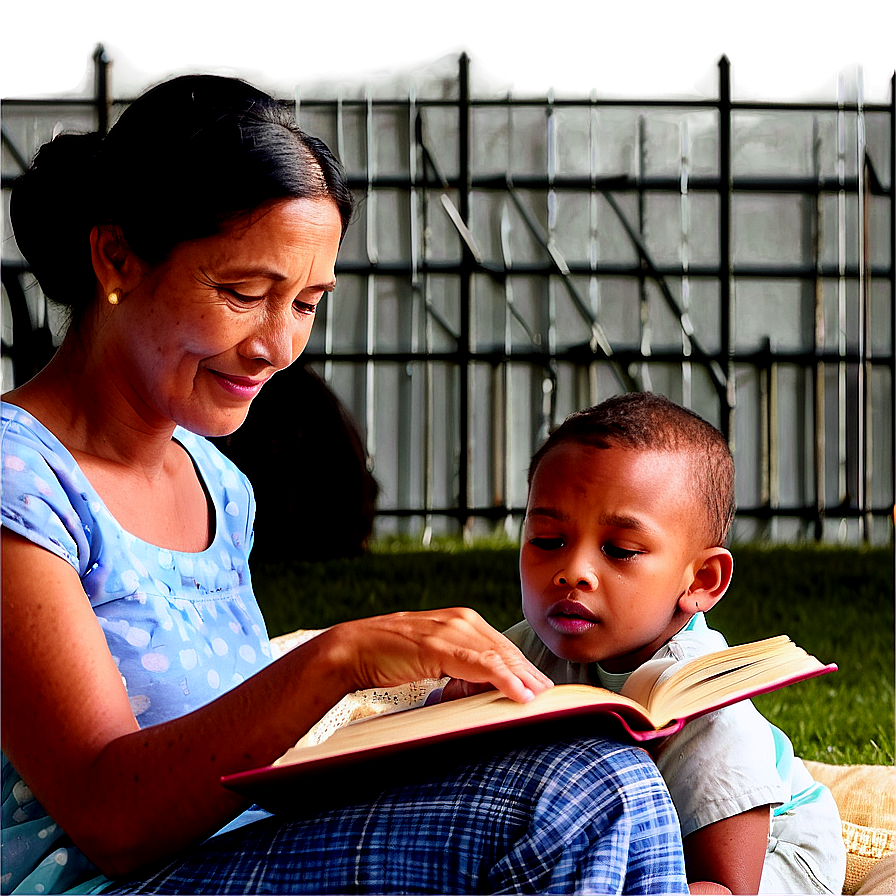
(360, 704)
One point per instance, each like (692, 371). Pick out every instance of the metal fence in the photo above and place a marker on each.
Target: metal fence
(515, 259)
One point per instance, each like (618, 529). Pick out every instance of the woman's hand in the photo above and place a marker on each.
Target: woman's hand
(388, 650)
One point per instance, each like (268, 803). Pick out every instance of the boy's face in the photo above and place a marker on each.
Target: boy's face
(612, 541)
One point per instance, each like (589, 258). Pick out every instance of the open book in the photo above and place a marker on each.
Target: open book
(372, 753)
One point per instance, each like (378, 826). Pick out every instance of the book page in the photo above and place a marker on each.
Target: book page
(640, 685)
(720, 661)
(687, 692)
(468, 714)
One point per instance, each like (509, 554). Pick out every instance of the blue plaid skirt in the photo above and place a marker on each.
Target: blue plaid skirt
(583, 816)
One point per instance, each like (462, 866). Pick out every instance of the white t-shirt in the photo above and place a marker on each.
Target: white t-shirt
(727, 762)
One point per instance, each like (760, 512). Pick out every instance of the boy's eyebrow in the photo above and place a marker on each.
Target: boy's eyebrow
(612, 520)
(623, 521)
(549, 512)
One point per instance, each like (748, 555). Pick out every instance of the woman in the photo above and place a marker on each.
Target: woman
(192, 246)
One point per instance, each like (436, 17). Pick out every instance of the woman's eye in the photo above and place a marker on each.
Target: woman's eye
(305, 307)
(241, 297)
(614, 552)
(546, 544)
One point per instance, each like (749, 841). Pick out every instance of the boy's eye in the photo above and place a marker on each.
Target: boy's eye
(614, 552)
(546, 544)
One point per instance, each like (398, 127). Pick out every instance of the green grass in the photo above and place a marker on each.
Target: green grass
(838, 603)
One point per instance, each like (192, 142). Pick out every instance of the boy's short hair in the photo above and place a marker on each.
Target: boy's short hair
(648, 422)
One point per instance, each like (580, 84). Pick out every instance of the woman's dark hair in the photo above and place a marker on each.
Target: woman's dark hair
(184, 159)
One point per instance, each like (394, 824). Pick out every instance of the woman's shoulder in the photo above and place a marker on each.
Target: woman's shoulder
(18, 426)
(46, 497)
(28, 448)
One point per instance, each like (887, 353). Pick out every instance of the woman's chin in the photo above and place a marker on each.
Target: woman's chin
(217, 425)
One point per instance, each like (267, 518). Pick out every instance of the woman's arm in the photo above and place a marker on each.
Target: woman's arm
(729, 852)
(129, 797)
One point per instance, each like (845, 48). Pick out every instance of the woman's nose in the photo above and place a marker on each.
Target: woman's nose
(276, 341)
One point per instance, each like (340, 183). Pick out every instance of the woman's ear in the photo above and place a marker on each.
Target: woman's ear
(711, 576)
(114, 263)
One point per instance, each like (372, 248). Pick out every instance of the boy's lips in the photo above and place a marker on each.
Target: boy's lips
(569, 617)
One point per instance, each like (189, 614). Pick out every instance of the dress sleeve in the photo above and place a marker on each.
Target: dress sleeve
(42, 500)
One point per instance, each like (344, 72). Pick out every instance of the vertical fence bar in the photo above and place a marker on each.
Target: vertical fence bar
(466, 282)
(593, 234)
(863, 411)
(329, 321)
(328, 331)
(685, 255)
(420, 286)
(428, 402)
(643, 296)
(818, 466)
(892, 134)
(842, 472)
(549, 383)
(508, 390)
(101, 88)
(725, 260)
(370, 305)
(770, 449)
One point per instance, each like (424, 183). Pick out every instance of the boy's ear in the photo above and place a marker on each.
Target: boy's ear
(712, 571)
(114, 263)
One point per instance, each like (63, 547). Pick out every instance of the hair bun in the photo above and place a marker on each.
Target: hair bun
(53, 209)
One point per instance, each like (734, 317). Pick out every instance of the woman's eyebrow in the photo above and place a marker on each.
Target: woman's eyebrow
(235, 275)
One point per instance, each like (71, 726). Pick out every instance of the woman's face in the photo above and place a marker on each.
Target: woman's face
(204, 330)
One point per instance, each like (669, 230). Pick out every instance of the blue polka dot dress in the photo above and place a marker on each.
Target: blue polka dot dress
(183, 628)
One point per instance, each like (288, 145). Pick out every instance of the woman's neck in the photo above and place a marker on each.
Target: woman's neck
(89, 413)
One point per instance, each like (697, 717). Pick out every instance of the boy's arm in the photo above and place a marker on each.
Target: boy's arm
(731, 851)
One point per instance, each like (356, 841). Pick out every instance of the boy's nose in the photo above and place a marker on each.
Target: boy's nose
(583, 579)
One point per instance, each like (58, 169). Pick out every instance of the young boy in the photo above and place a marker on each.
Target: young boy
(629, 507)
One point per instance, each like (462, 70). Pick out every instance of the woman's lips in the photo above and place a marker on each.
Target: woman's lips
(569, 617)
(240, 386)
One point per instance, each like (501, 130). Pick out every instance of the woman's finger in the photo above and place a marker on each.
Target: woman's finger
(456, 642)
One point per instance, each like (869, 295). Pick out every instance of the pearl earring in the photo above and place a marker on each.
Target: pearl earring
(114, 297)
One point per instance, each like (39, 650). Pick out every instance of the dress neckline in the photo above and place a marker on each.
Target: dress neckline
(180, 436)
